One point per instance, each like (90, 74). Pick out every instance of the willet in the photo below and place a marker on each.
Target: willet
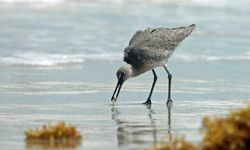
(147, 50)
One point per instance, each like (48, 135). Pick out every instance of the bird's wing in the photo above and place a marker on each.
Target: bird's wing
(137, 37)
(154, 44)
(166, 39)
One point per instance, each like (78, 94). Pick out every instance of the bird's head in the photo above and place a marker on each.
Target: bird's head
(122, 74)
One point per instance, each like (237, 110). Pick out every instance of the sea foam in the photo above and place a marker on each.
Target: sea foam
(59, 59)
(50, 60)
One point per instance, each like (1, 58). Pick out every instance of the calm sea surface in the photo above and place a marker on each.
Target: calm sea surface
(58, 61)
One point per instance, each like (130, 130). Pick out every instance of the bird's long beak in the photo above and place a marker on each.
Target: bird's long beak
(118, 86)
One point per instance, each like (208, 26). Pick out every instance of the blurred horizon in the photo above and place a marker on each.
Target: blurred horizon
(37, 31)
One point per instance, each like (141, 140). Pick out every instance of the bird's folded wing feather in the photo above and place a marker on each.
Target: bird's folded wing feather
(155, 44)
(163, 38)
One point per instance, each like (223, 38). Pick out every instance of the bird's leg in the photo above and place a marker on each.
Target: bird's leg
(169, 85)
(152, 88)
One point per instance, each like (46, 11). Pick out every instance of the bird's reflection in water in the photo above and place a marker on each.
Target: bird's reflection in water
(152, 122)
(134, 134)
(169, 123)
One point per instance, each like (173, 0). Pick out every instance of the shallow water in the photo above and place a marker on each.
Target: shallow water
(58, 62)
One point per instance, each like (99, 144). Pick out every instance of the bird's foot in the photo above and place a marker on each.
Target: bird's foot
(169, 103)
(148, 102)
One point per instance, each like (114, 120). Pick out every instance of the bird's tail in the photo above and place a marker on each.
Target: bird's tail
(191, 28)
(182, 32)
(188, 30)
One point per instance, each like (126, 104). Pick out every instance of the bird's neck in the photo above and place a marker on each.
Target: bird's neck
(133, 71)
(129, 70)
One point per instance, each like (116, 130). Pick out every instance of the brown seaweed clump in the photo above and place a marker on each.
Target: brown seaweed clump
(229, 133)
(53, 136)
(221, 133)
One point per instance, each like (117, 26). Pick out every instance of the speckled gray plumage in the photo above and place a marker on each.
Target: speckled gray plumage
(152, 47)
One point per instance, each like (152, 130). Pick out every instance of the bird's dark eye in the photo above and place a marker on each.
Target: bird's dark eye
(123, 73)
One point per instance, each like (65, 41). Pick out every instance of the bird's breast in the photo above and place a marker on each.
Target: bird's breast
(147, 66)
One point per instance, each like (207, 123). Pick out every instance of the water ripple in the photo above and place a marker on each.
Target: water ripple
(52, 87)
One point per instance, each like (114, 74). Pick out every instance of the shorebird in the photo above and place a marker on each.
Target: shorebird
(147, 50)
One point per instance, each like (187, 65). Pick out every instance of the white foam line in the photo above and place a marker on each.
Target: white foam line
(191, 57)
(85, 1)
(54, 92)
(32, 1)
(50, 60)
(57, 60)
